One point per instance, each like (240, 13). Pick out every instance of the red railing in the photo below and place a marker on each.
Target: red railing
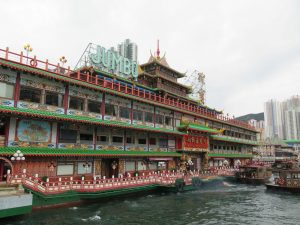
(67, 72)
(62, 184)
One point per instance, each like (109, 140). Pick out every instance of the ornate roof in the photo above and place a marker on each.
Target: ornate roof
(162, 61)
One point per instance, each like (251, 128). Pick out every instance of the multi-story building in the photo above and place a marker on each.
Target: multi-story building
(283, 118)
(274, 120)
(96, 123)
(128, 49)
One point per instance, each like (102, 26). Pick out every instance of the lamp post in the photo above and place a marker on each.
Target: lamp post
(28, 49)
(63, 60)
(18, 156)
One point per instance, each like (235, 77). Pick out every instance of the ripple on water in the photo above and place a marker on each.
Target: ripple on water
(238, 204)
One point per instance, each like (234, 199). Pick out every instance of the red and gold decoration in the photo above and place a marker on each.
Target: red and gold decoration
(195, 143)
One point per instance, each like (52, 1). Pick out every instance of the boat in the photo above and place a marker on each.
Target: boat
(286, 177)
(255, 174)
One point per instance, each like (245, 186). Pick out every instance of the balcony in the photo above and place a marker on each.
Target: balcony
(22, 62)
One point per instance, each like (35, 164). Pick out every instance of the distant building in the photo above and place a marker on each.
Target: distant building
(260, 126)
(128, 49)
(282, 119)
(274, 123)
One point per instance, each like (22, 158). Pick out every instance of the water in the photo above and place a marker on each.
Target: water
(223, 204)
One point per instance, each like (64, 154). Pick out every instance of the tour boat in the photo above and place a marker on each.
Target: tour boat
(253, 174)
(286, 177)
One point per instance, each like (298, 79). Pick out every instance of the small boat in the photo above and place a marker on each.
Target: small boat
(254, 174)
(285, 177)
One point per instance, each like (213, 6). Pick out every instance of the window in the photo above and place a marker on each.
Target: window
(86, 137)
(124, 112)
(67, 136)
(162, 165)
(94, 106)
(84, 167)
(163, 143)
(2, 126)
(110, 110)
(148, 117)
(30, 94)
(141, 165)
(117, 139)
(159, 119)
(137, 115)
(153, 166)
(54, 99)
(65, 169)
(168, 121)
(130, 140)
(76, 103)
(142, 141)
(177, 122)
(102, 139)
(130, 166)
(7, 90)
(152, 141)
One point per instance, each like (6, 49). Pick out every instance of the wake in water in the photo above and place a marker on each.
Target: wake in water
(226, 184)
(92, 218)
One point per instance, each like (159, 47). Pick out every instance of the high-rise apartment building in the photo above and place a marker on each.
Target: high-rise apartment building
(128, 49)
(282, 119)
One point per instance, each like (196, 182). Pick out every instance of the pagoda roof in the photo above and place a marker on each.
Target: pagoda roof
(162, 62)
(36, 151)
(166, 78)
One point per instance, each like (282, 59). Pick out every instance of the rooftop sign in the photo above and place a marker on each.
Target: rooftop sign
(111, 61)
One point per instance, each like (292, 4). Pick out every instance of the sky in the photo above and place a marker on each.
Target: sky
(248, 50)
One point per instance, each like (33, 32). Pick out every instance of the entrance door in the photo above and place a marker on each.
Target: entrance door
(3, 170)
(110, 167)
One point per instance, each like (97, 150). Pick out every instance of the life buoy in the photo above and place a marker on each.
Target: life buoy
(33, 62)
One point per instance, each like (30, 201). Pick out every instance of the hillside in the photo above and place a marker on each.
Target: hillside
(256, 116)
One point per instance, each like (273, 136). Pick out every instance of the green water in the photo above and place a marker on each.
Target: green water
(222, 204)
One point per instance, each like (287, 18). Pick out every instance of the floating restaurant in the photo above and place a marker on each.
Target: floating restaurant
(108, 118)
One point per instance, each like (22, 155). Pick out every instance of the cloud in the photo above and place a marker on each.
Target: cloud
(249, 50)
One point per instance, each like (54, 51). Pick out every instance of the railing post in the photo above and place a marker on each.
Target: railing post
(69, 71)
(6, 53)
(58, 68)
(46, 65)
(21, 57)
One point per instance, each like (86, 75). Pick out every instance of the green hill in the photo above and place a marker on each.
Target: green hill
(256, 116)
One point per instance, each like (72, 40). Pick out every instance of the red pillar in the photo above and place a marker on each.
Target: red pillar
(17, 89)
(103, 106)
(154, 116)
(7, 124)
(131, 111)
(66, 98)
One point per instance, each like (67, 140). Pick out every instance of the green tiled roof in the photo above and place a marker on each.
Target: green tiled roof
(198, 127)
(40, 113)
(232, 139)
(34, 151)
(230, 155)
(292, 141)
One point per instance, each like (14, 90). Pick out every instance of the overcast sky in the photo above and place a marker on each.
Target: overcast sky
(249, 50)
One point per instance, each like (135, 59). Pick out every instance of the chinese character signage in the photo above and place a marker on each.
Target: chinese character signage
(195, 142)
